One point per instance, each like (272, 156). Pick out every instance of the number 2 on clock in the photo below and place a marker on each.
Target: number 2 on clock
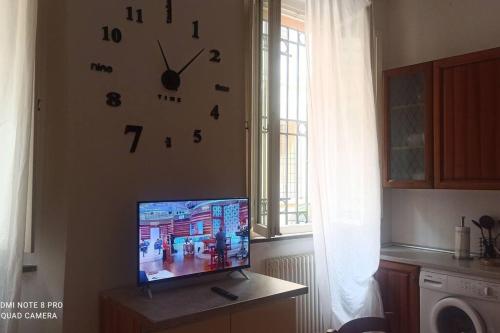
(215, 55)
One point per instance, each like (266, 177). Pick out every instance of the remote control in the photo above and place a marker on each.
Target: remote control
(224, 293)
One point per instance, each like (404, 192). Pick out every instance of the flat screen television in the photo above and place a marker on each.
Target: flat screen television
(183, 238)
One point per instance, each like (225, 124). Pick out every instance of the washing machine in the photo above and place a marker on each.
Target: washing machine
(456, 303)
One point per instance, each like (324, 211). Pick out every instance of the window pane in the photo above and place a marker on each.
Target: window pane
(302, 81)
(294, 205)
(293, 202)
(283, 85)
(283, 219)
(293, 35)
(302, 174)
(302, 38)
(292, 174)
(284, 33)
(292, 127)
(293, 76)
(283, 167)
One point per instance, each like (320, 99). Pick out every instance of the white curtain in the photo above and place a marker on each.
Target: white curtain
(345, 178)
(17, 45)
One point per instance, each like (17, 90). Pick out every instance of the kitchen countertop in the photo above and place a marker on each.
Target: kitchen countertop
(438, 260)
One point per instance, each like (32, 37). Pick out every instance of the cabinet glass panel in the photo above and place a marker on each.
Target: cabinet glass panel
(407, 127)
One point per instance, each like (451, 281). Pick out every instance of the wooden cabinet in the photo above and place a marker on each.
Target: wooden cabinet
(265, 305)
(216, 324)
(407, 161)
(400, 295)
(274, 317)
(442, 123)
(467, 118)
(270, 317)
(267, 317)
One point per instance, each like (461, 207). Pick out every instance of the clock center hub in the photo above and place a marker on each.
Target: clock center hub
(171, 80)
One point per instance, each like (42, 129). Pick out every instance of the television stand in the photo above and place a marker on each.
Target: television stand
(239, 271)
(264, 305)
(146, 290)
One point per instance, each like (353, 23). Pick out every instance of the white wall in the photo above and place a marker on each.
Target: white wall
(262, 251)
(86, 233)
(428, 217)
(101, 242)
(425, 30)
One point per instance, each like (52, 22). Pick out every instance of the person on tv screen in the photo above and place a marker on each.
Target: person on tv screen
(165, 247)
(144, 247)
(172, 241)
(220, 245)
(158, 245)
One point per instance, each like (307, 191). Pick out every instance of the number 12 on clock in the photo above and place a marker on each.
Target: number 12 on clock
(169, 11)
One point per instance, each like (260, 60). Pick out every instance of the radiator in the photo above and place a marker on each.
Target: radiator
(300, 269)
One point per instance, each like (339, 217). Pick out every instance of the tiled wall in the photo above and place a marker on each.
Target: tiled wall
(429, 217)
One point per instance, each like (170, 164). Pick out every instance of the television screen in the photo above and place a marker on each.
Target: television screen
(182, 238)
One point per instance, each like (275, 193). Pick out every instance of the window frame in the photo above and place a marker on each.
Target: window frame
(273, 227)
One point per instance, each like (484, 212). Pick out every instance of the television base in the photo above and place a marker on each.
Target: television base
(239, 271)
(147, 291)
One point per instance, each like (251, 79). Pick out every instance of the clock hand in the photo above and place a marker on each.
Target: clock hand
(190, 61)
(163, 54)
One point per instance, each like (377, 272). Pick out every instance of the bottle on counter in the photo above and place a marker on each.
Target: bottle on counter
(462, 241)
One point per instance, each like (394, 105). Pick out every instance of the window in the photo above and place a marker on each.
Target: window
(281, 170)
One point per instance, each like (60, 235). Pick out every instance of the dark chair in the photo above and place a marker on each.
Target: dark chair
(361, 325)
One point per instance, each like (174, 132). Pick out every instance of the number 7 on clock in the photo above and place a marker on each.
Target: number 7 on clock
(137, 130)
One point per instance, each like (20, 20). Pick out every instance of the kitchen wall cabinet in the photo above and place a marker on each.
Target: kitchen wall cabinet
(400, 294)
(442, 123)
(407, 160)
(467, 118)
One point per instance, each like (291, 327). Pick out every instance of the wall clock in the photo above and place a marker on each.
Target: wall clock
(181, 65)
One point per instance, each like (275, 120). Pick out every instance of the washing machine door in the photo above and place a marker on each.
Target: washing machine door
(453, 315)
